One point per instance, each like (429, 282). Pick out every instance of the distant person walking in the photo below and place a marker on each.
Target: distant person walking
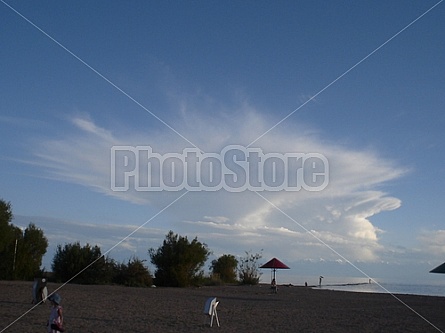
(55, 323)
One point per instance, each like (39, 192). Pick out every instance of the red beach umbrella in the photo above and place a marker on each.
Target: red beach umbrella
(439, 269)
(274, 264)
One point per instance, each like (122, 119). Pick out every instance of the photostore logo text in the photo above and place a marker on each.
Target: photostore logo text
(234, 169)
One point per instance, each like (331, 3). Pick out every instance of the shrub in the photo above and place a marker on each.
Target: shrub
(225, 267)
(178, 261)
(249, 268)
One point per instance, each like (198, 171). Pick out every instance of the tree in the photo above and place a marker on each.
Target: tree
(7, 241)
(178, 261)
(30, 250)
(21, 252)
(6, 234)
(249, 268)
(225, 266)
(133, 274)
(84, 265)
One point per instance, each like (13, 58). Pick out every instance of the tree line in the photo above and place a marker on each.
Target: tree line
(179, 261)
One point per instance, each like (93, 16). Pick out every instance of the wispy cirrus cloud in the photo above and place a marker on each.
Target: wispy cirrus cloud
(340, 215)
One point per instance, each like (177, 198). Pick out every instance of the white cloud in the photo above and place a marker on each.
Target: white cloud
(433, 242)
(340, 215)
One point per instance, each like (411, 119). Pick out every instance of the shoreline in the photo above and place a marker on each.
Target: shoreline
(116, 309)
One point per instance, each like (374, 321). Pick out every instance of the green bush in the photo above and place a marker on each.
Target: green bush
(225, 267)
(178, 261)
(83, 265)
(133, 274)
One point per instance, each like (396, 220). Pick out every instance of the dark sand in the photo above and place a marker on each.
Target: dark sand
(114, 309)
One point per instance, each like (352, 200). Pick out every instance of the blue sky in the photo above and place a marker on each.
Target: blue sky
(80, 77)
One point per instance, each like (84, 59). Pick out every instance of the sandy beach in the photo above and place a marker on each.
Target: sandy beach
(113, 309)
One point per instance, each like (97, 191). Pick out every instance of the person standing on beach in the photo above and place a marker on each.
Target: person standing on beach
(55, 323)
(274, 286)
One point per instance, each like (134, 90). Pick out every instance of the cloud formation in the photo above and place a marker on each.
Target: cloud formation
(295, 225)
(433, 242)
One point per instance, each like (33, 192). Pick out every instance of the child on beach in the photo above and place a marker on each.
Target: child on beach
(55, 323)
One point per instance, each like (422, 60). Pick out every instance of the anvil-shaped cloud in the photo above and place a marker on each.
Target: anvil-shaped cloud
(297, 225)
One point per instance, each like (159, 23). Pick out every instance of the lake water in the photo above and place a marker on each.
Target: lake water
(429, 288)
(414, 289)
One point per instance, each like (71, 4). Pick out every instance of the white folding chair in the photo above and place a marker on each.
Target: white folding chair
(39, 291)
(210, 310)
